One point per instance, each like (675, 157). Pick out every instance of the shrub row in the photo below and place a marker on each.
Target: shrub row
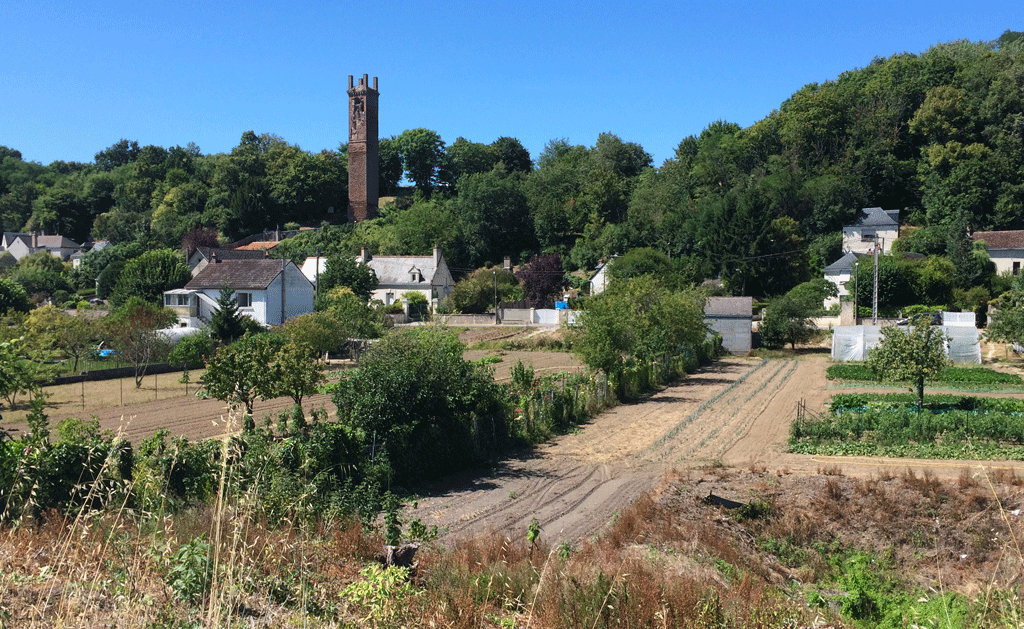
(950, 375)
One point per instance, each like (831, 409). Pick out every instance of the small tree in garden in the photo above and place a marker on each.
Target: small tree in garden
(913, 354)
(239, 373)
(788, 318)
(133, 331)
(295, 371)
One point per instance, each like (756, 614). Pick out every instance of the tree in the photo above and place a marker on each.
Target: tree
(423, 155)
(477, 293)
(120, 153)
(133, 330)
(494, 216)
(18, 374)
(52, 330)
(13, 297)
(1008, 318)
(343, 317)
(389, 158)
(542, 279)
(225, 323)
(512, 153)
(192, 351)
(149, 275)
(416, 399)
(41, 275)
(295, 371)
(912, 354)
(343, 270)
(239, 373)
(787, 318)
(637, 318)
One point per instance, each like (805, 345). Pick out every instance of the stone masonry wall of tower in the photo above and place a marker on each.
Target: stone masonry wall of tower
(363, 149)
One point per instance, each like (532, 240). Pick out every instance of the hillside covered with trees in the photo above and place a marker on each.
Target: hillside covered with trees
(938, 134)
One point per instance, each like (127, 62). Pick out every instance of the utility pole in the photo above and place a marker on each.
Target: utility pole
(856, 306)
(495, 274)
(874, 305)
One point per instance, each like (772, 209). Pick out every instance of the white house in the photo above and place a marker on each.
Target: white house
(874, 225)
(397, 275)
(599, 280)
(269, 291)
(20, 245)
(1005, 249)
(840, 273)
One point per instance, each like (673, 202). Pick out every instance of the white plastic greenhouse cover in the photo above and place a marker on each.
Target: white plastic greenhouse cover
(964, 343)
(853, 342)
(959, 319)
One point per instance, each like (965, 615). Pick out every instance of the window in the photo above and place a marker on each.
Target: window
(1016, 268)
(244, 300)
(176, 300)
(867, 238)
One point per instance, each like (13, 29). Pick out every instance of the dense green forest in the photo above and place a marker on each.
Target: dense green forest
(938, 134)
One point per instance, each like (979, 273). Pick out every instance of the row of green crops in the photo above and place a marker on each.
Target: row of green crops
(889, 425)
(975, 376)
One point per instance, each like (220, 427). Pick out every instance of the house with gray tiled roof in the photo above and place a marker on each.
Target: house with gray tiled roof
(397, 275)
(840, 273)
(20, 245)
(1005, 249)
(874, 225)
(270, 291)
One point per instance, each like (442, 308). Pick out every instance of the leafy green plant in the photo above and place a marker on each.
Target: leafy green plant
(191, 571)
(383, 595)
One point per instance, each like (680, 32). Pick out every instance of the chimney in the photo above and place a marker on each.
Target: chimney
(437, 256)
(364, 254)
(35, 239)
(508, 263)
(214, 258)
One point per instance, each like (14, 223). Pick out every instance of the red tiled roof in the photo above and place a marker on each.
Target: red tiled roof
(261, 245)
(1013, 239)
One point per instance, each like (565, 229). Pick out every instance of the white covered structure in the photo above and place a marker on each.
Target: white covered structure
(855, 342)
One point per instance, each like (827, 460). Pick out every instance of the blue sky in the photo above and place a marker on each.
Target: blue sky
(79, 76)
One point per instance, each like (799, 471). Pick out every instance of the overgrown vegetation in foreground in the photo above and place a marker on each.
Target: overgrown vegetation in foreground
(818, 550)
(948, 427)
(968, 376)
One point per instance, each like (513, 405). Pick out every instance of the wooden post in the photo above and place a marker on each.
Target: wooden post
(83, 390)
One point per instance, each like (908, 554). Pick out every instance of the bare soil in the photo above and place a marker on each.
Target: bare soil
(734, 414)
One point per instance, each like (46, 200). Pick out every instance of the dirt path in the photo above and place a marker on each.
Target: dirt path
(735, 413)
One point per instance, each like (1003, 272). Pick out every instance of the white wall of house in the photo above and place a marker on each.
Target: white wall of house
(842, 280)
(861, 239)
(1007, 260)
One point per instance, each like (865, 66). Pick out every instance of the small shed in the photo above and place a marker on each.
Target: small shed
(732, 317)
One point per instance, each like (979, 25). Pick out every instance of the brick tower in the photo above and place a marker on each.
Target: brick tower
(363, 147)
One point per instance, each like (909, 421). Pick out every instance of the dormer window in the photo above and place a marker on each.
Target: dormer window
(415, 275)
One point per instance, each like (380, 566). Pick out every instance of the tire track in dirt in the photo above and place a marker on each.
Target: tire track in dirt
(736, 412)
(575, 484)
